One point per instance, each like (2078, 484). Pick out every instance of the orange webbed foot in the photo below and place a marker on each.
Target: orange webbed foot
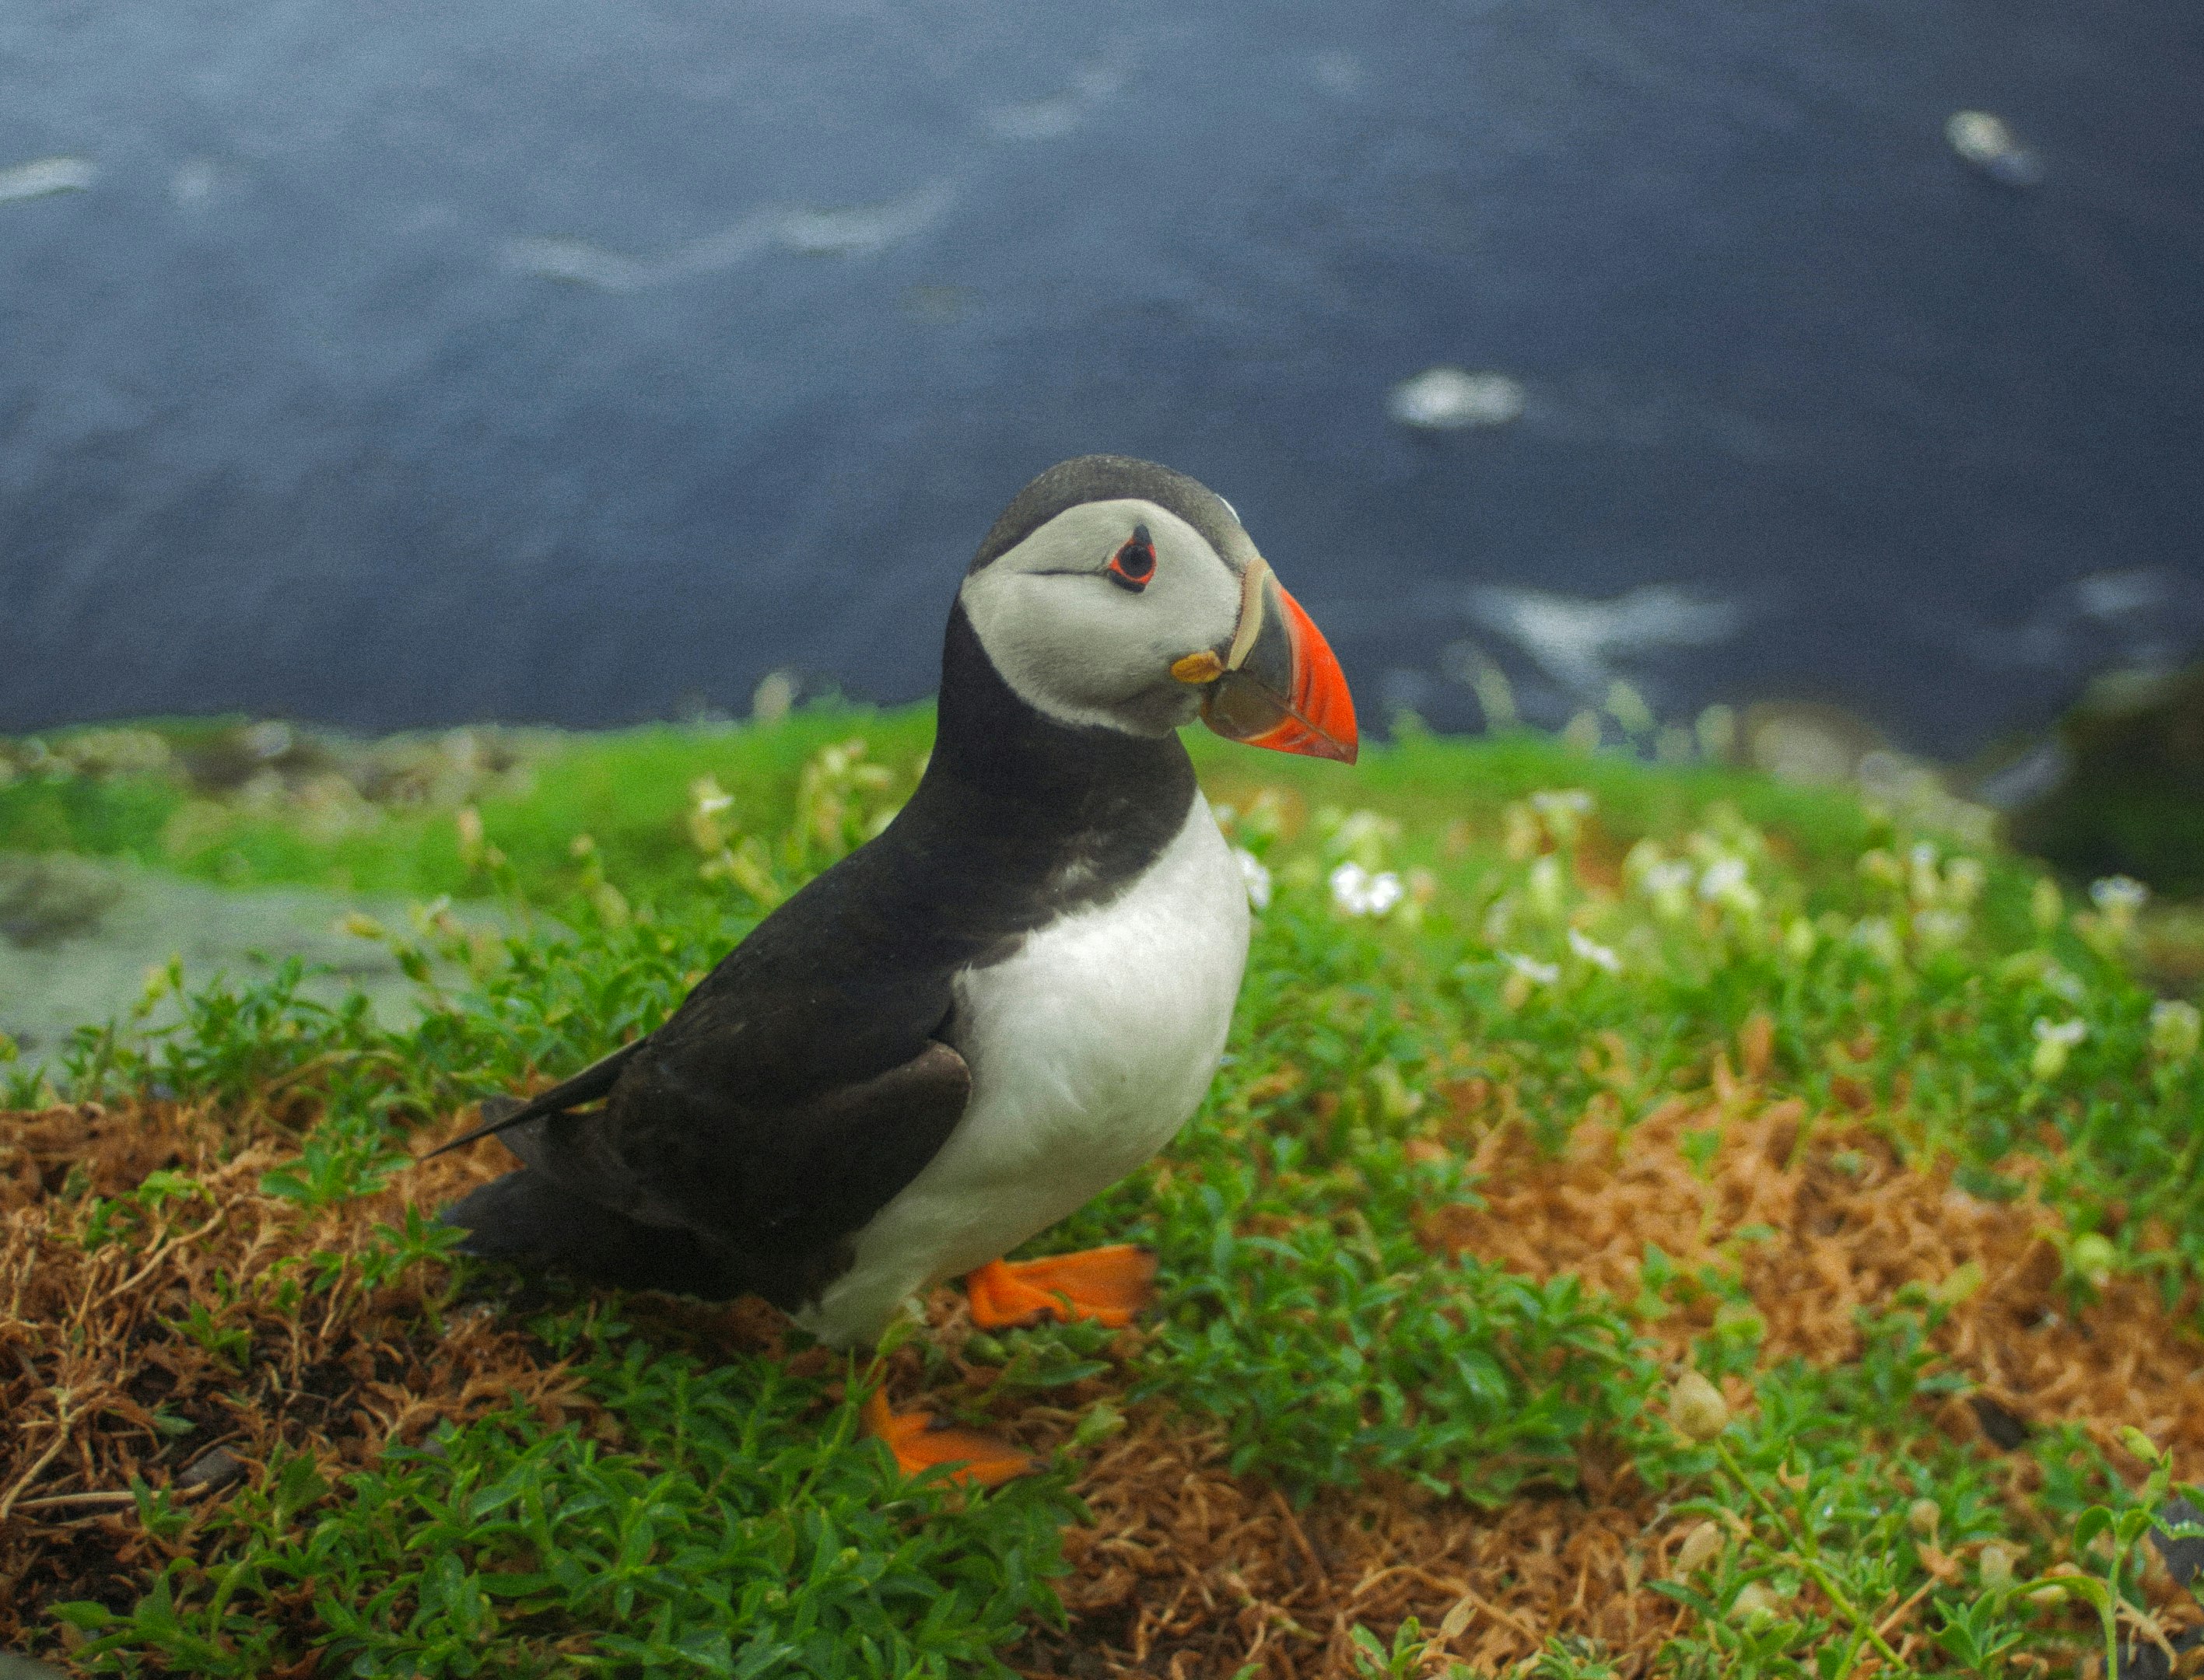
(920, 1441)
(1107, 1284)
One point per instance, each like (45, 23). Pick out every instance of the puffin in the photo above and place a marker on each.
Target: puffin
(996, 1008)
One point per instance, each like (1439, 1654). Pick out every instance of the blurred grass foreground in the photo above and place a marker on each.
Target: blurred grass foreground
(1652, 1220)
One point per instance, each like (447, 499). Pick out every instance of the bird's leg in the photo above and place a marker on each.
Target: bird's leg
(1108, 1284)
(921, 1440)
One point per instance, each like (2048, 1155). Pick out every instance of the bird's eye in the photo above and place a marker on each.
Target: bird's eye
(1133, 565)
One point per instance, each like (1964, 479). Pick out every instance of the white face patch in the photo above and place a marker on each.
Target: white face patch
(1083, 648)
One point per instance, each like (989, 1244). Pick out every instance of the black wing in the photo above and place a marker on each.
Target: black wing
(799, 1087)
(769, 1199)
(810, 1076)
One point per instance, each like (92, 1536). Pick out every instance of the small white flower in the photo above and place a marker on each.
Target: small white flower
(2118, 898)
(1724, 882)
(2118, 892)
(1363, 836)
(712, 804)
(1537, 973)
(2064, 983)
(1545, 887)
(1940, 929)
(1599, 956)
(2054, 1041)
(1877, 936)
(1358, 892)
(1724, 874)
(1668, 883)
(1499, 919)
(1350, 882)
(1256, 876)
(2175, 1029)
(1925, 882)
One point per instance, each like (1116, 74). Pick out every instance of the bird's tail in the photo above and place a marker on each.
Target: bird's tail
(500, 1114)
(525, 1218)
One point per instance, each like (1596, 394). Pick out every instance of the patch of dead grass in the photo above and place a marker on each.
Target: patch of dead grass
(92, 1347)
(1191, 1572)
(1185, 1569)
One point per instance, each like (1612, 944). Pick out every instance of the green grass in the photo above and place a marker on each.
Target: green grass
(736, 1529)
(379, 818)
(632, 791)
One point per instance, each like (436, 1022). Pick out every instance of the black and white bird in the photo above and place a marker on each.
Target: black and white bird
(994, 1010)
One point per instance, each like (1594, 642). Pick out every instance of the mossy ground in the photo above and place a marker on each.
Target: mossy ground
(1639, 1072)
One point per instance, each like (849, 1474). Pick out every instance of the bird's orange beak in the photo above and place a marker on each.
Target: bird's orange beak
(1278, 684)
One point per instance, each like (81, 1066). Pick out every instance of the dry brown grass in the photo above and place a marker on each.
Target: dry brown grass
(1186, 1568)
(1190, 1571)
(90, 1348)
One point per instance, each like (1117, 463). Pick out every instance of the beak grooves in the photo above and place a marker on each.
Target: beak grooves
(1280, 687)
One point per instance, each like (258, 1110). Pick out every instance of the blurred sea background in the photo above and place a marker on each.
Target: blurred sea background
(400, 365)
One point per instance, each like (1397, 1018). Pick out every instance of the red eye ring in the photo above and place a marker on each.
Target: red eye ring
(1134, 565)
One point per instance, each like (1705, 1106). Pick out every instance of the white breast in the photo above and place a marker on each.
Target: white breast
(1088, 1050)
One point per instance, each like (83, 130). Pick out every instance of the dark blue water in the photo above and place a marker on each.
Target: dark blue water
(399, 362)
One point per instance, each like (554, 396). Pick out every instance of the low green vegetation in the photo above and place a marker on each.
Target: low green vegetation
(728, 1535)
(1564, 934)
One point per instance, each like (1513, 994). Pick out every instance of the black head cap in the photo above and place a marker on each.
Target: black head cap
(1088, 478)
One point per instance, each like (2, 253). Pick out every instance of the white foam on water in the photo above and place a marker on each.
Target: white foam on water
(1578, 641)
(45, 176)
(852, 231)
(1984, 142)
(1449, 399)
(1055, 116)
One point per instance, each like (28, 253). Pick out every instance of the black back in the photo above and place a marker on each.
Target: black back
(806, 1079)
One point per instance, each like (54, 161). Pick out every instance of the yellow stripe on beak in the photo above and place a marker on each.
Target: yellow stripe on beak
(1251, 612)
